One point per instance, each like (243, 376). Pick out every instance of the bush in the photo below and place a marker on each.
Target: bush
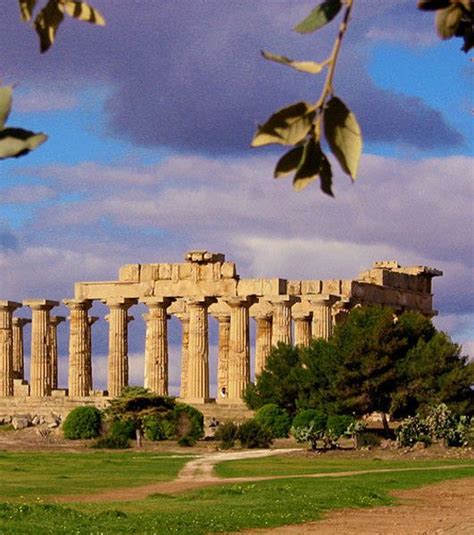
(439, 424)
(186, 441)
(305, 417)
(112, 442)
(227, 434)
(122, 428)
(253, 435)
(83, 422)
(158, 428)
(368, 439)
(188, 422)
(274, 419)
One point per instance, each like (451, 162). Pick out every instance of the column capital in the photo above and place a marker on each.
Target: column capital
(40, 304)
(199, 301)
(123, 303)
(322, 299)
(237, 302)
(20, 322)
(6, 305)
(301, 315)
(158, 302)
(287, 300)
(183, 316)
(78, 304)
(56, 320)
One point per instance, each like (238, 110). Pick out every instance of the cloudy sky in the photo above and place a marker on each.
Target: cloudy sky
(149, 122)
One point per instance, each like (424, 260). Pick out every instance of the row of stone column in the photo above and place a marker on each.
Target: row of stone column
(233, 374)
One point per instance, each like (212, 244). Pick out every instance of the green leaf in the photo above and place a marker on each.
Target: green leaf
(83, 11)
(16, 142)
(447, 21)
(26, 9)
(303, 66)
(289, 162)
(319, 17)
(47, 23)
(325, 174)
(343, 135)
(287, 126)
(309, 166)
(6, 97)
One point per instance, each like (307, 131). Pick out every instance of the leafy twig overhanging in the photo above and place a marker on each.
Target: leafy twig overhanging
(302, 124)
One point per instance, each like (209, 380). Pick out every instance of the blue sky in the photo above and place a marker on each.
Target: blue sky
(149, 122)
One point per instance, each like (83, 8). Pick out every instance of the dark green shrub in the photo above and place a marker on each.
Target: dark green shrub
(122, 428)
(368, 439)
(157, 428)
(227, 434)
(186, 441)
(338, 424)
(253, 435)
(188, 421)
(305, 417)
(275, 419)
(112, 442)
(82, 422)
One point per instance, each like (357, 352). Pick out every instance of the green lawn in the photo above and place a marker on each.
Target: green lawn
(296, 465)
(37, 475)
(213, 509)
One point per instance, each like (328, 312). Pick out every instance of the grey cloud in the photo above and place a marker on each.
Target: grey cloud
(189, 75)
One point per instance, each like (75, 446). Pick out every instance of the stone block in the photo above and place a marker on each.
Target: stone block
(294, 287)
(164, 271)
(21, 388)
(130, 273)
(149, 272)
(331, 287)
(311, 287)
(21, 422)
(59, 393)
(228, 270)
(184, 271)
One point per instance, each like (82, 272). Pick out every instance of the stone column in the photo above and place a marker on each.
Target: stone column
(239, 348)
(54, 321)
(156, 345)
(91, 320)
(302, 328)
(223, 355)
(118, 344)
(184, 318)
(6, 347)
(281, 325)
(263, 342)
(79, 354)
(18, 348)
(40, 372)
(198, 351)
(322, 325)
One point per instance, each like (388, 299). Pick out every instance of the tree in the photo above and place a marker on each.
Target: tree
(278, 383)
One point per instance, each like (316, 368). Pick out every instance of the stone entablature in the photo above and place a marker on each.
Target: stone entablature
(205, 284)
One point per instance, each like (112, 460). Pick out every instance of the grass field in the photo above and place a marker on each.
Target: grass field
(295, 465)
(212, 509)
(39, 475)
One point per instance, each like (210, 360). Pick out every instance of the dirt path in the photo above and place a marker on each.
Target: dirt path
(446, 508)
(198, 473)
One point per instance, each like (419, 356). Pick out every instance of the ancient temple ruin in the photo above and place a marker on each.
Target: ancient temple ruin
(205, 284)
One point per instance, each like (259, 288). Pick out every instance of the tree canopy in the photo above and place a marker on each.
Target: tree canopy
(375, 361)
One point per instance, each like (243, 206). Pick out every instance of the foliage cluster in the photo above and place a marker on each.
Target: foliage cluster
(438, 424)
(275, 419)
(82, 422)
(373, 362)
(312, 425)
(251, 434)
(138, 411)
